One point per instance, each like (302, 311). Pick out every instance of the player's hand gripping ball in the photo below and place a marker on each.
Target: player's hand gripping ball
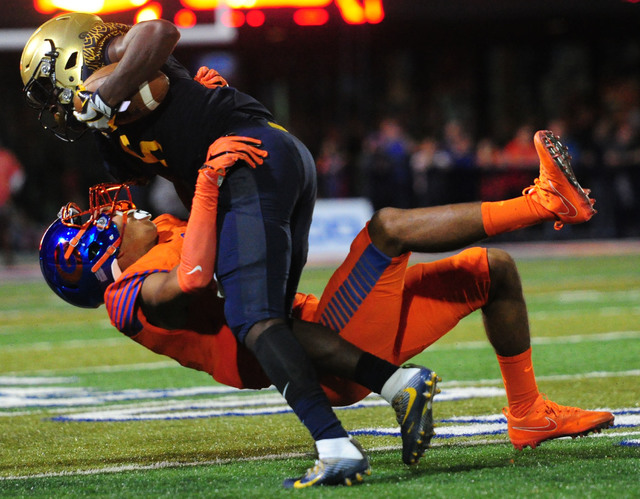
(92, 110)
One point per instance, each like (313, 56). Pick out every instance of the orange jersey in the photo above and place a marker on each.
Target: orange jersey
(206, 343)
(374, 301)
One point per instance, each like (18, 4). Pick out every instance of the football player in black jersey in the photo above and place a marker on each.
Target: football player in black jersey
(263, 214)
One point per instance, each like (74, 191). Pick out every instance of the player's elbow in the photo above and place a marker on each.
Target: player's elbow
(160, 32)
(193, 281)
(385, 232)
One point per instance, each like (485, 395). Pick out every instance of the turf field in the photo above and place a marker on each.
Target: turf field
(86, 412)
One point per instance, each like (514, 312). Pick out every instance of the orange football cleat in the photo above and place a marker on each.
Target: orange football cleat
(547, 420)
(557, 188)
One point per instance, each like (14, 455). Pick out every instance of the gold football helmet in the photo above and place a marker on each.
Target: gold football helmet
(51, 68)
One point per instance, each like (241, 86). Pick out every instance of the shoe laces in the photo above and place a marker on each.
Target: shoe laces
(555, 409)
(550, 407)
(538, 187)
(399, 406)
(317, 468)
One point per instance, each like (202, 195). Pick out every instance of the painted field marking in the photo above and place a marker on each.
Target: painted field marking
(271, 457)
(546, 340)
(239, 403)
(630, 443)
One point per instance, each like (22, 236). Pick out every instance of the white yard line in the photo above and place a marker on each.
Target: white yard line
(545, 340)
(269, 457)
(554, 377)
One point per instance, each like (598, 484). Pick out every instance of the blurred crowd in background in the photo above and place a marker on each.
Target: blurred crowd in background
(403, 125)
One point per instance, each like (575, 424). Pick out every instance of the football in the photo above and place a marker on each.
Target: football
(148, 97)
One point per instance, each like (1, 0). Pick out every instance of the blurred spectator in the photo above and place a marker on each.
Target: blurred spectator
(622, 158)
(331, 166)
(462, 185)
(428, 165)
(493, 183)
(520, 162)
(385, 165)
(12, 178)
(519, 152)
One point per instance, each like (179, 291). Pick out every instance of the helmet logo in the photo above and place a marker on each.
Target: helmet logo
(69, 270)
(102, 222)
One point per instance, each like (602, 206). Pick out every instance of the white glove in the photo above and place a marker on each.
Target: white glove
(95, 112)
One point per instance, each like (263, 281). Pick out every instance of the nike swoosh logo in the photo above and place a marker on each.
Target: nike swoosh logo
(412, 397)
(550, 426)
(527, 369)
(197, 268)
(570, 210)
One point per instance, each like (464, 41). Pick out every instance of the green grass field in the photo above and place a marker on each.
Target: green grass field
(85, 411)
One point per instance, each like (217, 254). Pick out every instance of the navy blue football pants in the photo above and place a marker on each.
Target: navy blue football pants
(264, 215)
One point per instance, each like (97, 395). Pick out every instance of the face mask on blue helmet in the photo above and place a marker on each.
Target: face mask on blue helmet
(79, 249)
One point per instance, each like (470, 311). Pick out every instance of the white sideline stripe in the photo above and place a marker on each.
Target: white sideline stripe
(34, 380)
(47, 345)
(44, 323)
(603, 311)
(268, 457)
(141, 366)
(55, 397)
(16, 378)
(470, 345)
(551, 377)
(575, 338)
(492, 425)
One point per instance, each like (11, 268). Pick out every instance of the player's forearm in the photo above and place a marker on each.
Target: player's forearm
(197, 262)
(140, 53)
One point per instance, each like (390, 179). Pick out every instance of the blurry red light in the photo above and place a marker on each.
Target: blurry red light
(149, 12)
(185, 18)
(255, 18)
(233, 18)
(310, 17)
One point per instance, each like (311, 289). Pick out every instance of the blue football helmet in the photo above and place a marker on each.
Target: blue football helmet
(78, 251)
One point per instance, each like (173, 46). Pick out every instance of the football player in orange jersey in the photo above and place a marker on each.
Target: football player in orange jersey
(374, 300)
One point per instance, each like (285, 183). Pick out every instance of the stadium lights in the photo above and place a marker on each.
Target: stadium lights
(306, 13)
(91, 6)
(149, 12)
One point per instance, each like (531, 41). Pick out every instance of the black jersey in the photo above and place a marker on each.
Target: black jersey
(172, 141)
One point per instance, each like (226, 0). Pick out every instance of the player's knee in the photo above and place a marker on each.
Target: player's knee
(257, 329)
(503, 271)
(385, 232)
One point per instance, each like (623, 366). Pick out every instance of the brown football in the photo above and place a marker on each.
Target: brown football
(148, 97)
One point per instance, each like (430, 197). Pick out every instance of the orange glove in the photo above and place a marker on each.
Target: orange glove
(210, 78)
(227, 150)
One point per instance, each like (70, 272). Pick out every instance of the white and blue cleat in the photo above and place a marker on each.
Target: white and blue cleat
(333, 471)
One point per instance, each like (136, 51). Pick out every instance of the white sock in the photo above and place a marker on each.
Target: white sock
(337, 447)
(396, 382)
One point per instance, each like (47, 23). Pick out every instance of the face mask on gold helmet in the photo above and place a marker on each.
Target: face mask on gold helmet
(51, 68)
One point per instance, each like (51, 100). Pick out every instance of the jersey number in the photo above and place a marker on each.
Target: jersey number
(149, 150)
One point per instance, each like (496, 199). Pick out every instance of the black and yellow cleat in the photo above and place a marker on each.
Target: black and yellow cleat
(413, 406)
(332, 471)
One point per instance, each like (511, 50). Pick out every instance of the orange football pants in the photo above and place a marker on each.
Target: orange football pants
(394, 311)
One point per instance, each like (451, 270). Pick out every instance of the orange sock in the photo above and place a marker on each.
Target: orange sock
(513, 214)
(519, 382)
